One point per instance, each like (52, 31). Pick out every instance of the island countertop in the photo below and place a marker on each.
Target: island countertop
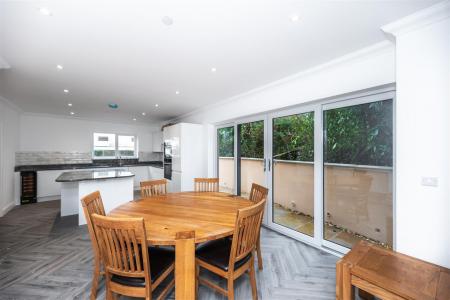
(92, 175)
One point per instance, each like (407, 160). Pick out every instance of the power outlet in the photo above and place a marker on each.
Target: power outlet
(430, 181)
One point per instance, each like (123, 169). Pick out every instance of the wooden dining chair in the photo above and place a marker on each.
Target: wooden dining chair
(206, 184)
(93, 203)
(131, 268)
(258, 193)
(153, 188)
(230, 258)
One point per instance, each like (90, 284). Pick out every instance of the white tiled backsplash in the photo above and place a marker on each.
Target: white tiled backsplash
(57, 157)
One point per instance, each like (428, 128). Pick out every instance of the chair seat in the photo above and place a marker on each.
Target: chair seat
(160, 260)
(217, 253)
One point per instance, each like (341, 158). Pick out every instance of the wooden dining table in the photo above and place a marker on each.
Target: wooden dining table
(183, 220)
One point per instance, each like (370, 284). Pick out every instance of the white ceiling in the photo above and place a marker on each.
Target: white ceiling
(120, 51)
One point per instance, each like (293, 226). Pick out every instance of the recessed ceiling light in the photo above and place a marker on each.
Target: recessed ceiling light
(167, 20)
(72, 113)
(59, 67)
(177, 92)
(143, 113)
(134, 119)
(156, 105)
(213, 70)
(66, 91)
(45, 11)
(295, 18)
(69, 104)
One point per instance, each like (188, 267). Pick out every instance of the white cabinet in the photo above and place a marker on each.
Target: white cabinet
(157, 141)
(46, 184)
(156, 173)
(141, 173)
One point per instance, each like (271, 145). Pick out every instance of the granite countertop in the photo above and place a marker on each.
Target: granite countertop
(93, 165)
(92, 175)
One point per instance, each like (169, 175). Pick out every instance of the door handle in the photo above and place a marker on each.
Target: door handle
(269, 164)
(264, 164)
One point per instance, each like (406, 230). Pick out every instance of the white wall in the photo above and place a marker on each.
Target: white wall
(423, 133)
(52, 133)
(9, 144)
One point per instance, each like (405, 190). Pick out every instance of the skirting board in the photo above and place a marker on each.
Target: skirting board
(6, 209)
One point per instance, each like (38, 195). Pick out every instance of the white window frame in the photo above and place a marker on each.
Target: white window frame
(116, 151)
(318, 107)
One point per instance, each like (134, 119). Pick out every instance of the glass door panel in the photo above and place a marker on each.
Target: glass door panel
(226, 160)
(251, 167)
(358, 154)
(293, 172)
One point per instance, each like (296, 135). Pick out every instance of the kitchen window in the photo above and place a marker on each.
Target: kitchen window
(111, 146)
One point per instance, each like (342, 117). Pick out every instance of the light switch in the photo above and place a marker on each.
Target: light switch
(430, 181)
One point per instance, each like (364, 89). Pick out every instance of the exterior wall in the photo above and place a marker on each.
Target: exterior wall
(357, 198)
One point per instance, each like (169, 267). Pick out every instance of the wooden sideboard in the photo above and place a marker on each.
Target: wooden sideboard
(389, 275)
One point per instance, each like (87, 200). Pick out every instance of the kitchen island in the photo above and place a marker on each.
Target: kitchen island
(115, 186)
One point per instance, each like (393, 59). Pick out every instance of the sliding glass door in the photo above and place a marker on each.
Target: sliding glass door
(293, 171)
(357, 168)
(250, 155)
(328, 167)
(225, 159)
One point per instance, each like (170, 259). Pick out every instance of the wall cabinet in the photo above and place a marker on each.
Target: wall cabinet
(157, 141)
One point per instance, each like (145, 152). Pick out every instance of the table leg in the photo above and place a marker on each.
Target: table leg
(339, 279)
(185, 266)
(347, 289)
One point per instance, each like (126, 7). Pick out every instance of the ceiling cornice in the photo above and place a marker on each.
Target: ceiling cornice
(361, 54)
(427, 16)
(11, 105)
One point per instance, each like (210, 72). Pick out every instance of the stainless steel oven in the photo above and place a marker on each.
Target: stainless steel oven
(167, 162)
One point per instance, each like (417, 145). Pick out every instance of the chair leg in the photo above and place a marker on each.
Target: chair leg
(253, 281)
(197, 274)
(258, 252)
(95, 279)
(109, 293)
(230, 289)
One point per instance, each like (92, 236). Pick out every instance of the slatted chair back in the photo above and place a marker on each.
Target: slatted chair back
(206, 184)
(93, 204)
(120, 241)
(258, 193)
(246, 232)
(153, 188)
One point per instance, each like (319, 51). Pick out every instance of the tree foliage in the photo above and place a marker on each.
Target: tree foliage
(359, 134)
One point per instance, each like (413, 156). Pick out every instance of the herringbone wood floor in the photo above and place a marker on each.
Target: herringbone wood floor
(43, 256)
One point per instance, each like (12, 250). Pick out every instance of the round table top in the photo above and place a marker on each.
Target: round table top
(210, 215)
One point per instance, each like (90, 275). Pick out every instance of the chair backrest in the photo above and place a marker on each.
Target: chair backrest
(206, 184)
(153, 188)
(246, 232)
(258, 193)
(120, 241)
(93, 204)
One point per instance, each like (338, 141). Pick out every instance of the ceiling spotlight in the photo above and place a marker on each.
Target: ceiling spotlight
(143, 113)
(45, 11)
(59, 67)
(177, 92)
(295, 18)
(213, 70)
(156, 105)
(134, 119)
(167, 20)
(66, 91)
(72, 113)
(69, 104)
